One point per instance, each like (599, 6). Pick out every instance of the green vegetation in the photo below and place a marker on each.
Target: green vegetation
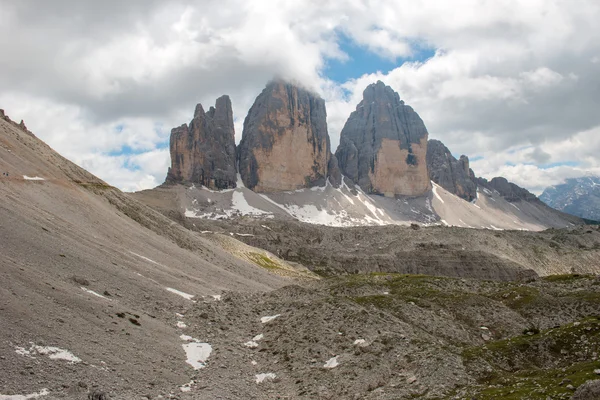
(263, 260)
(537, 366)
(566, 278)
(518, 297)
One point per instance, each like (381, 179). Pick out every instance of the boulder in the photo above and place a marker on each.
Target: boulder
(383, 145)
(204, 151)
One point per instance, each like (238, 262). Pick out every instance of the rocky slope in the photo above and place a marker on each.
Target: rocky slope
(453, 175)
(204, 152)
(383, 145)
(577, 196)
(285, 144)
(101, 294)
(91, 279)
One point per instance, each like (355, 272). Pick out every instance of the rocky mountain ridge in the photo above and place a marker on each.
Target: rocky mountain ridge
(285, 147)
(576, 196)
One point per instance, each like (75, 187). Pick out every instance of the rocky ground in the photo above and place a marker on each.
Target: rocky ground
(390, 336)
(447, 251)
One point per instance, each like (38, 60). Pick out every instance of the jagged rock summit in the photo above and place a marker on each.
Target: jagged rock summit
(383, 145)
(204, 151)
(453, 175)
(285, 144)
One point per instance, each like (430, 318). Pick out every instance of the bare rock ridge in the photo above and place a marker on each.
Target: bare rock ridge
(204, 151)
(453, 175)
(383, 145)
(508, 190)
(285, 144)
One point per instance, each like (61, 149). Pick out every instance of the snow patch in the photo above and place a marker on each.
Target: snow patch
(181, 324)
(217, 297)
(434, 190)
(262, 377)
(187, 387)
(197, 353)
(54, 353)
(144, 258)
(33, 178)
(359, 342)
(331, 363)
(94, 293)
(180, 293)
(239, 203)
(270, 318)
(43, 392)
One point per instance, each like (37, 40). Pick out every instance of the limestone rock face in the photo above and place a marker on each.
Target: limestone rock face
(204, 151)
(383, 146)
(453, 175)
(285, 144)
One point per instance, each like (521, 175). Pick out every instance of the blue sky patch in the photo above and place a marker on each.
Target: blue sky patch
(363, 61)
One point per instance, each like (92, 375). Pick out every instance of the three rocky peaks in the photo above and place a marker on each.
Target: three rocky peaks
(285, 146)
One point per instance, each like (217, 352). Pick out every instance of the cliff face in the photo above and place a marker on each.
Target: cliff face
(204, 151)
(453, 175)
(383, 145)
(285, 144)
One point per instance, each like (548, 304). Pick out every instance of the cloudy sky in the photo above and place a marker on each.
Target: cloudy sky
(513, 84)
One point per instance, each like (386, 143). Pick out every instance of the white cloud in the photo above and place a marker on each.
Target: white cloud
(506, 74)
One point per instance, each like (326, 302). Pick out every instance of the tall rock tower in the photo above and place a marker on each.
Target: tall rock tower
(204, 151)
(285, 144)
(383, 146)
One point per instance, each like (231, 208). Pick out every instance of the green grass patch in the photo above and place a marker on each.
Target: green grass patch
(263, 260)
(537, 366)
(566, 278)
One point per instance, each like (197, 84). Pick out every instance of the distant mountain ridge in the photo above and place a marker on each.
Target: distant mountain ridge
(577, 196)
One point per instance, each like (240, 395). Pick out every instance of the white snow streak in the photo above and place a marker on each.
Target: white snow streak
(266, 319)
(434, 190)
(94, 293)
(261, 377)
(180, 293)
(54, 353)
(43, 392)
(33, 178)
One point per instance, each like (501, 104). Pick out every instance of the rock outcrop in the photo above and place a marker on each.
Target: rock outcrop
(204, 151)
(453, 175)
(508, 190)
(383, 145)
(285, 144)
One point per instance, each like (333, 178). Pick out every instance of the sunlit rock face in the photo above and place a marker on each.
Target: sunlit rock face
(383, 145)
(285, 144)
